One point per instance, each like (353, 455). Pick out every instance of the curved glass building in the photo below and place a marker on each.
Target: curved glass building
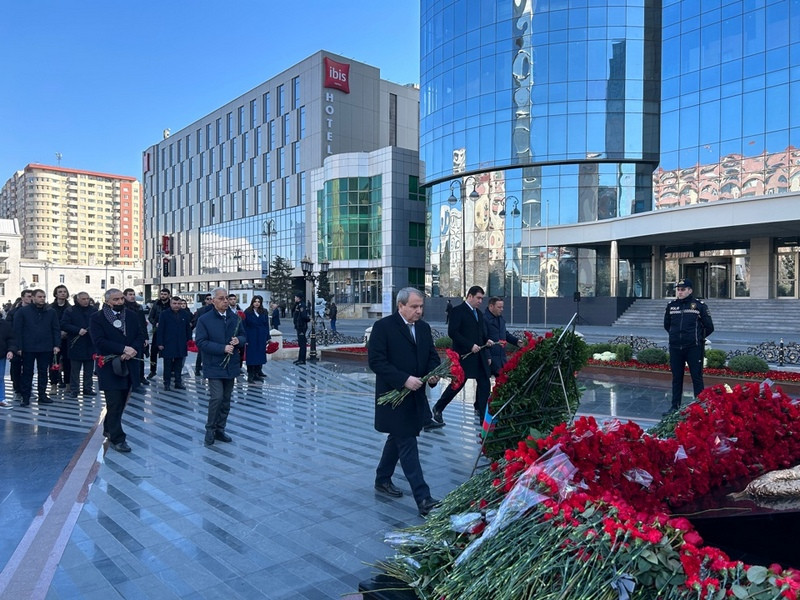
(555, 134)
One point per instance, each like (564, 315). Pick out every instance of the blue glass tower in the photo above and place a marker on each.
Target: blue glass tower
(554, 132)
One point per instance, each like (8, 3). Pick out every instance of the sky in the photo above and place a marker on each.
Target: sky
(98, 81)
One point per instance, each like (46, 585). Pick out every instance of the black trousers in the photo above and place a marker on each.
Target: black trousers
(302, 342)
(404, 449)
(43, 361)
(115, 406)
(678, 357)
(219, 404)
(173, 366)
(481, 395)
(153, 357)
(76, 366)
(15, 372)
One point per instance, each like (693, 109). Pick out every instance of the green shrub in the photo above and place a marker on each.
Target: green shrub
(715, 359)
(624, 352)
(443, 342)
(600, 348)
(747, 363)
(653, 356)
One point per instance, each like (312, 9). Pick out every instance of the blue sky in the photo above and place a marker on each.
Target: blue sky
(98, 81)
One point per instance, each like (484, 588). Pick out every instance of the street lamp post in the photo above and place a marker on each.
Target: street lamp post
(308, 274)
(453, 200)
(268, 230)
(514, 214)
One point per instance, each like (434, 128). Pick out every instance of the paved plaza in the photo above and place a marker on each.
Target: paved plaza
(286, 511)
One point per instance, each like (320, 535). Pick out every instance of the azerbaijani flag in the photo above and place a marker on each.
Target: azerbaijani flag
(488, 422)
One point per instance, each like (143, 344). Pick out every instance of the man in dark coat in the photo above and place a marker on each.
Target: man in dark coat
(467, 329)
(401, 351)
(15, 369)
(138, 369)
(61, 304)
(333, 312)
(300, 318)
(8, 349)
(115, 332)
(38, 335)
(159, 305)
(75, 322)
(218, 333)
(174, 330)
(497, 332)
(276, 315)
(689, 323)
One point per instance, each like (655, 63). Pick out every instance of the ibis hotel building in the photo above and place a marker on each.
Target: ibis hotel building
(603, 149)
(320, 160)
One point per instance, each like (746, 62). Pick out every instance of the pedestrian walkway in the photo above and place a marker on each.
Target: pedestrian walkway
(286, 511)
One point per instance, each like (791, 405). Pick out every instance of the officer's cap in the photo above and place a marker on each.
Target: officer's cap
(684, 283)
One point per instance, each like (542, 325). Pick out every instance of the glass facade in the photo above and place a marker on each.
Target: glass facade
(561, 112)
(241, 245)
(730, 123)
(349, 217)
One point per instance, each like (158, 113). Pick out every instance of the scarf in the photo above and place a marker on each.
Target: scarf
(111, 317)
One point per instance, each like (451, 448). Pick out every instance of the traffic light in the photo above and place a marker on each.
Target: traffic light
(165, 266)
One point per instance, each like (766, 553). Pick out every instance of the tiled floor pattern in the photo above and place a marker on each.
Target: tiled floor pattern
(285, 511)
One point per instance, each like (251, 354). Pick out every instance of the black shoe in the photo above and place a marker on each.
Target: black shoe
(672, 410)
(180, 386)
(62, 385)
(197, 372)
(251, 378)
(427, 506)
(89, 392)
(260, 376)
(121, 447)
(25, 403)
(151, 374)
(299, 362)
(388, 489)
(137, 390)
(144, 381)
(437, 416)
(166, 387)
(431, 425)
(222, 436)
(209, 439)
(45, 400)
(72, 394)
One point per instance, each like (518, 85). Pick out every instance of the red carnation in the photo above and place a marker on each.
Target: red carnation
(272, 347)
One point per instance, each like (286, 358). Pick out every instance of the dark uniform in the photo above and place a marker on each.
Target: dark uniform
(300, 318)
(688, 322)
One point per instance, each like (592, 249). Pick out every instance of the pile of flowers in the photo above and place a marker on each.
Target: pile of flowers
(786, 376)
(584, 512)
(528, 396)
(604, 356)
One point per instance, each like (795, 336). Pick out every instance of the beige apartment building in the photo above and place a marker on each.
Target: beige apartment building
(75, 217)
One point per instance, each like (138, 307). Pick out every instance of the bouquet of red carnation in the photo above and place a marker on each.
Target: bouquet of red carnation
(449, 368)
(191, 346)
(56, 366)
(272, 347)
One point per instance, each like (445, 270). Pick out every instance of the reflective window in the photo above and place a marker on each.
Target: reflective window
(350, 218)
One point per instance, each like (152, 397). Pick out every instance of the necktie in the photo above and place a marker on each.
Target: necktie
(411, 330)
(475, 312)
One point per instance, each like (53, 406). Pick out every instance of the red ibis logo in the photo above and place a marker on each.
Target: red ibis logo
(337, 75)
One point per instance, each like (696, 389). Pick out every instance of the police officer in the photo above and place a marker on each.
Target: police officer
(688, 322)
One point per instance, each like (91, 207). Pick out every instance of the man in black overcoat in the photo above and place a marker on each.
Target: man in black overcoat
(75, 321)
(401, 351)
(467, 329)
(115, 332)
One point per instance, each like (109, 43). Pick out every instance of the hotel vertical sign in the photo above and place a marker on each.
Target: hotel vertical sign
(337, 77)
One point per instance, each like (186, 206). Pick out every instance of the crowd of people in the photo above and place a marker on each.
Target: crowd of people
(67, 344)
